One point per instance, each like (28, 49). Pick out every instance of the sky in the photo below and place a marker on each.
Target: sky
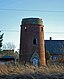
(13, 11)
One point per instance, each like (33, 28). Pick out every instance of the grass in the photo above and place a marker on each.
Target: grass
(31, 71)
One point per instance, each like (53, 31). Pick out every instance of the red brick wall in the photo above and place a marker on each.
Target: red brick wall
(29, 32)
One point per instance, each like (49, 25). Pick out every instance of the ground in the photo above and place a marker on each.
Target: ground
(30, 72)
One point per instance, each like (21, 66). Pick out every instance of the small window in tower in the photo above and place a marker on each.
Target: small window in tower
(42, 29)
(25, 28)
(35, 41)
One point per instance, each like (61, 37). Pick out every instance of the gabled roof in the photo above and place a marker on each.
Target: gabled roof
(35, 55)
(55, 46)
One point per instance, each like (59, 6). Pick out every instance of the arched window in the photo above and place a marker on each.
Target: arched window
(34, 41)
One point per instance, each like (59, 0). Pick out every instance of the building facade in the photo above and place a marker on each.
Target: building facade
(56, 49)
(32, 41)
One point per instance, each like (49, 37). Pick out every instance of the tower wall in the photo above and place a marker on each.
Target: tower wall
(32, 41)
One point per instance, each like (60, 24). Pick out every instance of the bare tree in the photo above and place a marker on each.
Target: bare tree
(8, 46)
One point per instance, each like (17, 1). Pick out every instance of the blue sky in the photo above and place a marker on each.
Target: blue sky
(51, 12)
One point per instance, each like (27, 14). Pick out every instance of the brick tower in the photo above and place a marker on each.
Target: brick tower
(32, 42)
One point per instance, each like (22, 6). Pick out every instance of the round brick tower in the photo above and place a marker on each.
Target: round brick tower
(32, 42)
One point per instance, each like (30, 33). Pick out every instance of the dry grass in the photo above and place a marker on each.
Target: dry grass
(33, 72)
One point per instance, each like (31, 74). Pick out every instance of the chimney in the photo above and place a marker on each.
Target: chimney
(50, 38)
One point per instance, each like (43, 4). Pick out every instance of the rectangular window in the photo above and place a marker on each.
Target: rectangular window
(25, 28)
(42, 29)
